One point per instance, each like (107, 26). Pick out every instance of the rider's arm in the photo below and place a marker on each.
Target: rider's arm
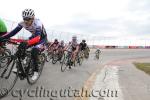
(65, 48)
(57, 46)
(36, 38)
(77, 48)
(51, 45)
(13, 32)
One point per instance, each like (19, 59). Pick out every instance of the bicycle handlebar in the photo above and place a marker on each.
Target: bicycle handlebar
(14, 41)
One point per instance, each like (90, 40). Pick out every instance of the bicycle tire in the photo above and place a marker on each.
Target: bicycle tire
(2, 78)
(63, 68)
(54, 59)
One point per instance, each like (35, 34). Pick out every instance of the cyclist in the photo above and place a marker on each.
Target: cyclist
(61, 49)
(62, 44)
(3, 31)
(97, 53)
(55, 45)
(83, 45)
(84, 48)
(75, 48)
(37, 39)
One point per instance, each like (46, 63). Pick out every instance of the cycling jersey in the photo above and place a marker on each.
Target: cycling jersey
(61, 46)
(74, 45)
(37, 30)
(83, 46)
(3, 28)
(55, 44)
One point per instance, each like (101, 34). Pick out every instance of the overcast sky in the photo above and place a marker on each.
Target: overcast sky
(98, 19)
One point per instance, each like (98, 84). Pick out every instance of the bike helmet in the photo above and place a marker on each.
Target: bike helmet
(28, 13)
(56, 40)
(74, 38)
(84, 41)
(62, 42)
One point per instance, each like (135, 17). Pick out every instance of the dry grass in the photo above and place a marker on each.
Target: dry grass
(143, 66)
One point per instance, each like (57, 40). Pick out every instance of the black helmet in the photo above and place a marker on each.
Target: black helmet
(83, 40)
(56, 40)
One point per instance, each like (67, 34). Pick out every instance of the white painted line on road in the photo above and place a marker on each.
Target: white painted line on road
(107, 82)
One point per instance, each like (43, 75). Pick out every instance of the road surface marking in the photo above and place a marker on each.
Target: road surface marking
(107, 82)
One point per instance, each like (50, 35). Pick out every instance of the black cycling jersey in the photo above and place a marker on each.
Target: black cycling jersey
(83, 46)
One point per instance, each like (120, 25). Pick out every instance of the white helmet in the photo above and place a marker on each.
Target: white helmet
(62, 42)
(74, 37)
(28, 13)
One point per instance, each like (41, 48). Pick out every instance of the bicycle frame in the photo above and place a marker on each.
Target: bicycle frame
(16, 59)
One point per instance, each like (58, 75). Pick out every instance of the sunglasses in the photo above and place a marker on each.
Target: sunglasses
(27, 19)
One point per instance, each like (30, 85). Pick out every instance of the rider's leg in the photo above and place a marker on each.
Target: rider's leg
(74, 56)
(34, 54)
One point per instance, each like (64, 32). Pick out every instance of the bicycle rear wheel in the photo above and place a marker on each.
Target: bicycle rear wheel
(7, 77)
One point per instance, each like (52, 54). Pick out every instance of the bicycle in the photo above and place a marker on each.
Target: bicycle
(48, 54)
(24, 70)
(97, 53)
(67, 60)
(57, 55)
(79, 58)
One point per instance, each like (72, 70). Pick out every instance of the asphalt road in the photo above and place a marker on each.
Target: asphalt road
(53, 83)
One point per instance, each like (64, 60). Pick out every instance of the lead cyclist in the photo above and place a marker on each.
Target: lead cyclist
(37, 40)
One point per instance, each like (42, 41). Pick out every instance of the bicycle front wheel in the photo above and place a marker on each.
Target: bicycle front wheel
(48, 57)
(64, 63)
(7, 77)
